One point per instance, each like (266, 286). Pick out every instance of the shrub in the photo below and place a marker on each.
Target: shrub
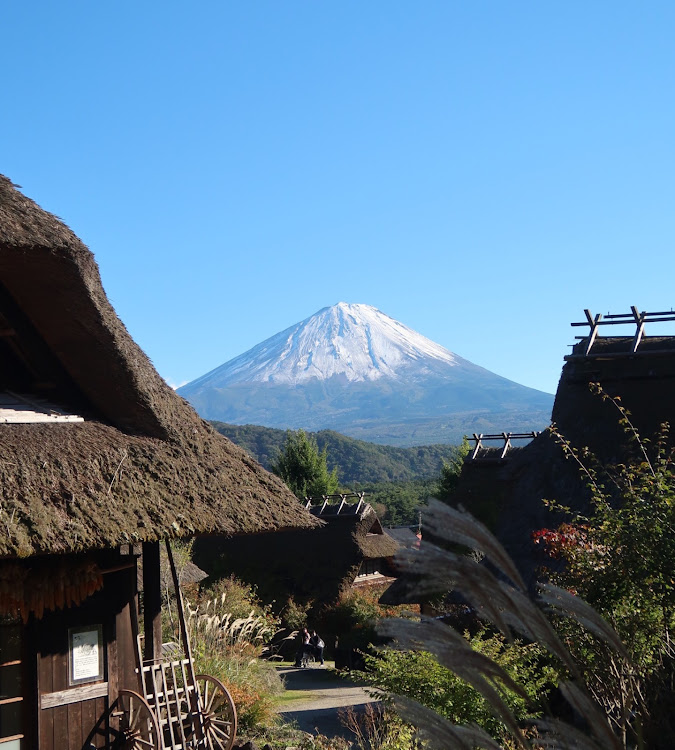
(228, 647)
(294, 614)
(353, 618)
(239, 599)
(379, 728)
(420, 677)
(619, 558)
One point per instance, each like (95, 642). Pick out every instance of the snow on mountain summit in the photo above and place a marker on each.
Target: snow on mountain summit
(355, 341)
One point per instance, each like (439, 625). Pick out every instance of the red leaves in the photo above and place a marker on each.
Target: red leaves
(558, 543)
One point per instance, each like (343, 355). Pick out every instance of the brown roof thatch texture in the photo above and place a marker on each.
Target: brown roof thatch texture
(144, 466)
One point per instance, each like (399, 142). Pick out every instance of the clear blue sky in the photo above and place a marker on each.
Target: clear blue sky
(481, 171)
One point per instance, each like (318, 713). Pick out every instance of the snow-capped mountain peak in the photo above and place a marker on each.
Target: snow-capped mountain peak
(355, 341)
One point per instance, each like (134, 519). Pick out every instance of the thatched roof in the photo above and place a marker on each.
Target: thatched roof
(350, 517)
(508, 494)
(407, 536)
(316, 564)
(143, 465)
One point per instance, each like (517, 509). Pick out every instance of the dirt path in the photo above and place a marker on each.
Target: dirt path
(325, 694)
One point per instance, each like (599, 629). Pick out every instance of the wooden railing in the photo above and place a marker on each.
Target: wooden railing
(634, 317)
(348, 502)
(505, 437)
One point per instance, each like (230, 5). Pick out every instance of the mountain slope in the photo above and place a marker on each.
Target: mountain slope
(354, 342)
(356, 460)
(354, 369)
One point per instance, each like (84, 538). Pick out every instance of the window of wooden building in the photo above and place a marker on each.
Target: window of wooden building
(371, 567)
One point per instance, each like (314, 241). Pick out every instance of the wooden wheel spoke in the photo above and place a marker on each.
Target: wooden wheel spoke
(219, 713)
(138, 724)
(205, 694)
(218, 730)
(217, 703)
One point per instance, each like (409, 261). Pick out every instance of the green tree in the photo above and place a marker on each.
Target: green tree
(447, 482)
(304, 468)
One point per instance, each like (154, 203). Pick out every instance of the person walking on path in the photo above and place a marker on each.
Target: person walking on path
(305, 648)
(317, 645)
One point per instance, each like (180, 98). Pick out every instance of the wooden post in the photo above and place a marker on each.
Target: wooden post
(152, 602)
(507, 443)
(478, 438)
(593, 323)
(196, 700)
(640, 326)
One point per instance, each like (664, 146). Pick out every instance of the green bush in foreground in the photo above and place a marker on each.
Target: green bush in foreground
(619, 557)
(418, 676)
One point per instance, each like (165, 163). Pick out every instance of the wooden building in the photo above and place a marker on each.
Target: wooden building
(350, 549)
(98, 458)
(504, 484)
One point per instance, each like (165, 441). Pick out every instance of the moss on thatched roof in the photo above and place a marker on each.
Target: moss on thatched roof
(143, 466)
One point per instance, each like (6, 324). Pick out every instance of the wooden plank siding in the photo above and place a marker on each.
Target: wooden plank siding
(73, 717)
(45, 685)
(74, 720)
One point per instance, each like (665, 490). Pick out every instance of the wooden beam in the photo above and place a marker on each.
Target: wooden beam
(507, 443)
(192, 680)
(640, 323)
(152, 602)
(74, 695)
(477, 437)
(593, 322)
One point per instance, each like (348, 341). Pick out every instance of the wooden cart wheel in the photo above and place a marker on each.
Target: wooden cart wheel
(138, 728)
(218, 712)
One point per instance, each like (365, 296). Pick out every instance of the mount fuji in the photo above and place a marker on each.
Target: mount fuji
(353, 369)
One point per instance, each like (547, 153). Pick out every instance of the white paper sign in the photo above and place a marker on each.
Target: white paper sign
(85, 655)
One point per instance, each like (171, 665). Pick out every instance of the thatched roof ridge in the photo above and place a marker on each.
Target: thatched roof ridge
(24, 223)
(54, 279)
(604, 345)
(143, 466)
(370, 537)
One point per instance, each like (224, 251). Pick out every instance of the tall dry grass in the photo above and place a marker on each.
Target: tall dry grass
(498, 595)
(229, 648)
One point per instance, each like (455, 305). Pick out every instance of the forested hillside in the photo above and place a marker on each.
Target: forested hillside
(358, 462)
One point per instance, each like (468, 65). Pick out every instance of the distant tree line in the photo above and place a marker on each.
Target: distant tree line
(397, 481)
(356, 460)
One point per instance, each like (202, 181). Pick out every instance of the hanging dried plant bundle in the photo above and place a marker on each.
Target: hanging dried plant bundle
(33, 589)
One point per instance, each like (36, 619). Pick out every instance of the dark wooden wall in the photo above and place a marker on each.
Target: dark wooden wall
(76, 719)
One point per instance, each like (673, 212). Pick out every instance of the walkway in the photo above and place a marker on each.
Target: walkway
(318, 711)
